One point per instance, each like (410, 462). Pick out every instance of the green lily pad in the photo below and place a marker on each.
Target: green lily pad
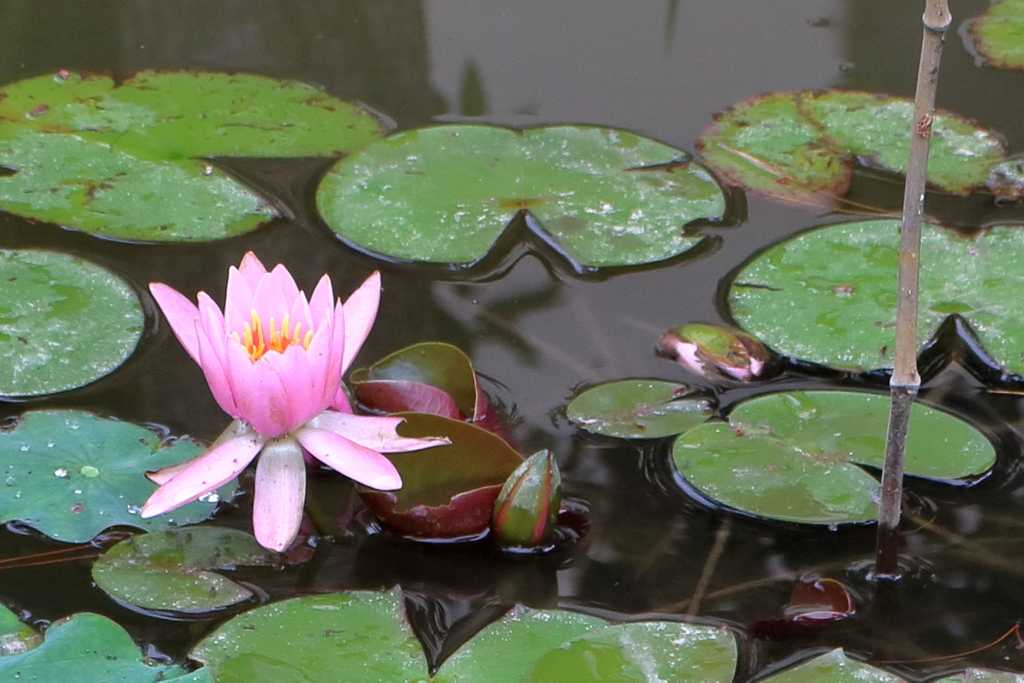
(829, 295)
(637, 409)
(169, 570)
(506, 648)
(64, 322)
(118, 160)
(644, 651)
(96, 188)
(804, 145)
(311, 639)
(447, 491)
(599, 197)
(16, 637)
(791, 456)
(88, 648)
(71, 475)
(834, 667)
(998, 34)
(173, 115)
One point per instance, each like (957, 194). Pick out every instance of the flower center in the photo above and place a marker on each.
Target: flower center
(257, 341)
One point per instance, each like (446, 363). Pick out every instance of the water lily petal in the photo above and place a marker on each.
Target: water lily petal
(375, 432)
(279, 495)
(325, 365)
(341, 402)
(301, 382)
(209, 471)
(258, 392)
(180, 313)
(211, 322)
(251, 269)
(238, 300)
(360, 312)
(216, 373)
(357, 462)
(270, 300)
(321, 304)
(165, 474)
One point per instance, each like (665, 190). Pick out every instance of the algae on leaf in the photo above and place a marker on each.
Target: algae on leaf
(803, 146)
(998, 34)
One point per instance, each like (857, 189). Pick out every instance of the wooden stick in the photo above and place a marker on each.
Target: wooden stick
(905, 381)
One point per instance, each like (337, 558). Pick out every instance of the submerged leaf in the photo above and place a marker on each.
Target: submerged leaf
(596, 196)
(794, 456)
(64, 322)
(169, 570)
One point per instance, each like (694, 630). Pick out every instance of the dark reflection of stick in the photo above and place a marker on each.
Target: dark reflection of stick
(721, 536)
(905, 380)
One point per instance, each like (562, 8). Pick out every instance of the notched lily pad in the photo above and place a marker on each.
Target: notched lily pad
(88, 647)
(313, 638)
(120, 160)
(998, 34)
(794, 456)
(64, 322)
(829, 295)
(448, 491)
(596, 196)
(637, 409)
(367, 636)
(170, 570)
(803, 146)
(71, 475)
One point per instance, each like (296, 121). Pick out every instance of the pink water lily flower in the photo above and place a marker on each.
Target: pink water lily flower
(274, 362)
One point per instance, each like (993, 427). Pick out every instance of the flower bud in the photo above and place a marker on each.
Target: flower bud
(526, 510)
(712, 351)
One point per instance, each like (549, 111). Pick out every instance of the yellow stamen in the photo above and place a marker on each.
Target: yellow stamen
(256, 343)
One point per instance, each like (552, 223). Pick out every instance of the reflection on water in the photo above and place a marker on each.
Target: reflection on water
(646, 67)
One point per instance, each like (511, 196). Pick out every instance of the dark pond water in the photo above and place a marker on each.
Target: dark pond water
(659, 68)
